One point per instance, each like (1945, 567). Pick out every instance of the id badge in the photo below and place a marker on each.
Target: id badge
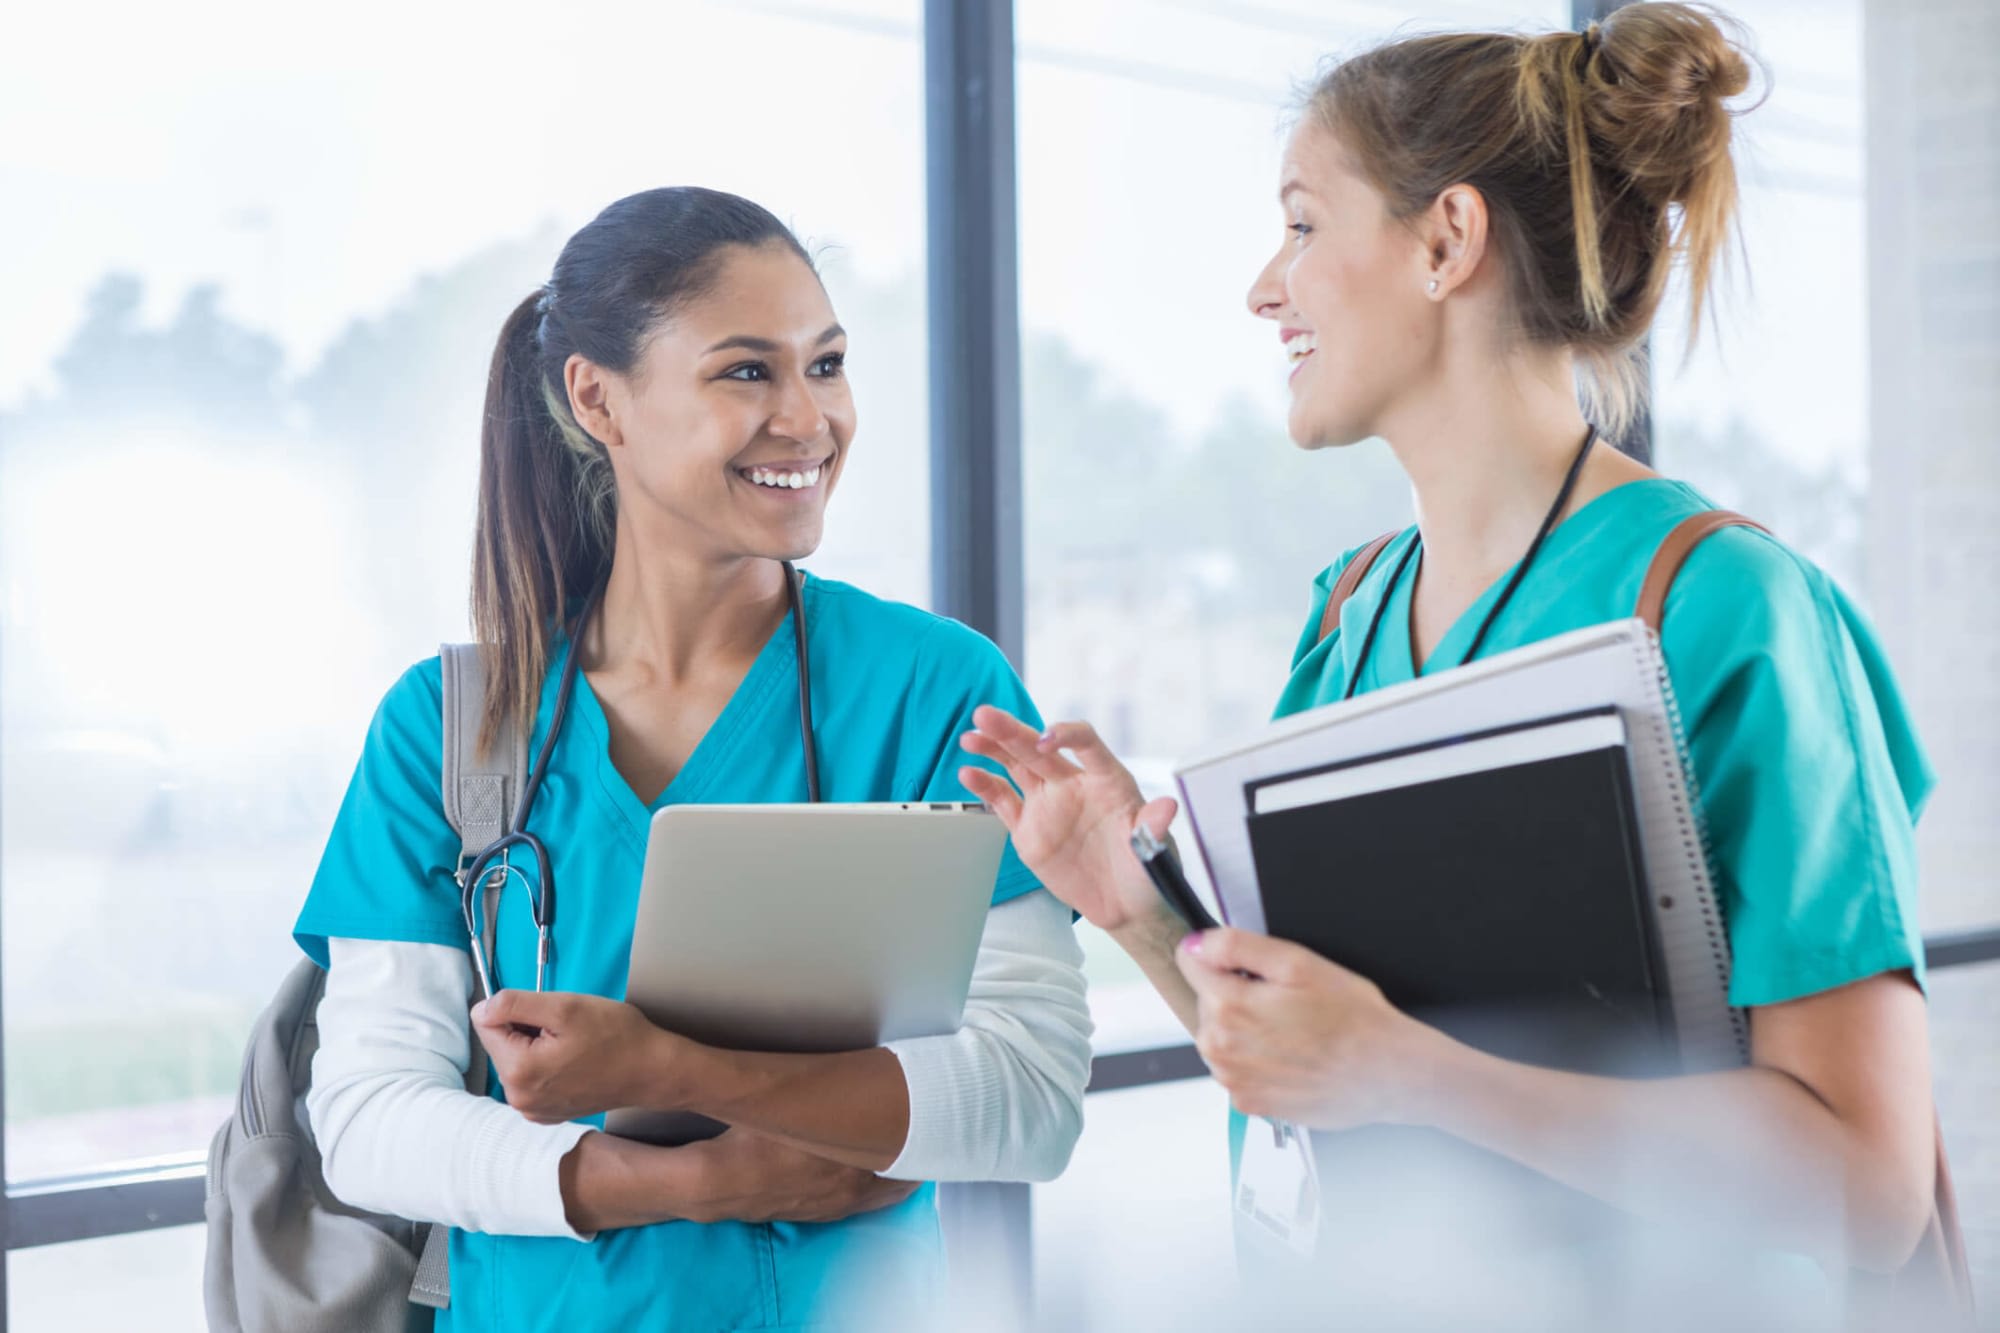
(1277, 1183)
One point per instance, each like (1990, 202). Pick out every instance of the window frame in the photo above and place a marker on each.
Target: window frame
(977, 577)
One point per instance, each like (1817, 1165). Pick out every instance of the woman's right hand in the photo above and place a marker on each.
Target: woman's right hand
(744, 1176)
(1071, 821)
(738, 1176)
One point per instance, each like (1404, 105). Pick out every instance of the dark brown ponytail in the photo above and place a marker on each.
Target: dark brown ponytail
(548, 502)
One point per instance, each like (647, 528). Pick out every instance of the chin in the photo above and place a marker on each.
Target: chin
(1312, 430)
(797, 545)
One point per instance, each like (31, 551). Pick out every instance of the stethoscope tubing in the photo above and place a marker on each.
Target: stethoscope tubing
(495, 858)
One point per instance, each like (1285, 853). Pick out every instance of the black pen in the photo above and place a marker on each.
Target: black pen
(1164, 869)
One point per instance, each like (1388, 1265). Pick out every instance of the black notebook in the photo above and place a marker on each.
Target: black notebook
(1491, 884)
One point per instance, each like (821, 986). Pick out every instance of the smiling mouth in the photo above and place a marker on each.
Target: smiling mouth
(786, 476)
(1299, 347)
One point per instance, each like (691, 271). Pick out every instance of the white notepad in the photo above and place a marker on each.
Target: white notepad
(1616, 664)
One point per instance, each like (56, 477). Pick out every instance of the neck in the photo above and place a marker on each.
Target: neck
(671, 613)
(1486, 457)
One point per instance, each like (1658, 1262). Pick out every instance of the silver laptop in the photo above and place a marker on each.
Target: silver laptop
(807, 928)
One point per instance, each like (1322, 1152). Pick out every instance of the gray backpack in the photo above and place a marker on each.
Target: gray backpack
(283, 1253)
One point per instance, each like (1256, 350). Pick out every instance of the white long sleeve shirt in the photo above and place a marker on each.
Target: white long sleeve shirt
(1000, 1099)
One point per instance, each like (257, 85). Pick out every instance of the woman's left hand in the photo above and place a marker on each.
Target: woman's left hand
(1303, 1039)
(561, 1055)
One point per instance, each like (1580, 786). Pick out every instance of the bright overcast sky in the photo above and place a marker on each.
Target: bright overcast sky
(315, 163)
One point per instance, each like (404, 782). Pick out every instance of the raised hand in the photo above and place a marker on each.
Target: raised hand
(1071, 818)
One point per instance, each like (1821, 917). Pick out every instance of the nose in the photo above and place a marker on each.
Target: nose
(1267, 298)
(797, 415)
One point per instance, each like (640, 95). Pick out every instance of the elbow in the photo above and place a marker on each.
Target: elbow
(331, 1115)
(329, 1132)
(1888, 1218)
(1061, 1129)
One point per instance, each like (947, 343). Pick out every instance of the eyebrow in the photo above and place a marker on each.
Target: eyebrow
(1291, 187)
(751, 343)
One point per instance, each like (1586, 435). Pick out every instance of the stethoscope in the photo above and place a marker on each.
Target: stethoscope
(495, 860)
(1506, 593)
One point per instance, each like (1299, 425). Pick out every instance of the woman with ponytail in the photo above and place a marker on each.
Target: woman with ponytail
(1477, 224)
(665, 422)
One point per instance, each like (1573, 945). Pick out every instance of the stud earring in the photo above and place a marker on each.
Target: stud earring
(1433, 288)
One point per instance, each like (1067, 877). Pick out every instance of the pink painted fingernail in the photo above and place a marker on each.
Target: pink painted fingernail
(1191, 941)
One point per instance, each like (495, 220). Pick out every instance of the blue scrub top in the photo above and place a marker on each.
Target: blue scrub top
(1805, 761)
(893, 689)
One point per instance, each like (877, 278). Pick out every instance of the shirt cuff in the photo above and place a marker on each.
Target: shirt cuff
(522, 1165)
(953, 1102)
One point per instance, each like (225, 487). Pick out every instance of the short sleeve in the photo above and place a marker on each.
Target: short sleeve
(957, 670)
(1810, 773)
(387, 872)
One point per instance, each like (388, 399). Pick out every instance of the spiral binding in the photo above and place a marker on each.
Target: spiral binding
(1686, 796)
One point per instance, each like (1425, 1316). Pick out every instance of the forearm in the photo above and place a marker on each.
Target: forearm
(850, 1107)
(1752, 1150)
(1151, 939)
(396, 1130)
(609, 1182)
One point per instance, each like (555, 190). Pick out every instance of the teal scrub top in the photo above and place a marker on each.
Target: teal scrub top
(893, 689)
(1808, 769)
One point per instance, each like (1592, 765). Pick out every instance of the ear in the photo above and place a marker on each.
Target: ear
(590, 399)
(1454, 233)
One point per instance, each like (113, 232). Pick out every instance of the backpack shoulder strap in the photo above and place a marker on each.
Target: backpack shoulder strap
(1350, 579)
(1936, 1275)
(479, 793)
(1673, 553)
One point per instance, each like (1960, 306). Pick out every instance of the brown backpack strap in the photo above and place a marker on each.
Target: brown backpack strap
(1673, 553)
(1936, 1278)
(1350, 579)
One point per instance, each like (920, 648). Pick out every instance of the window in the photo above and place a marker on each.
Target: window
(157, 1283)
(1846, 401)
(240, 381)
(1172, 528)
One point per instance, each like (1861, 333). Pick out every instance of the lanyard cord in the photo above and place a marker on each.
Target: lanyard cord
(1506, 593)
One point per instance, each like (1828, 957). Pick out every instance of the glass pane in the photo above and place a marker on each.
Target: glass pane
(1136, 1234)
(1173, 530)
(149, 1280)
(1965, 1013)
(1847, 396)
(241, 374)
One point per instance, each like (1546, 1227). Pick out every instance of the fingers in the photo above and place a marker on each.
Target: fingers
(1023, 773)
(505, 1008)
(1156, 815)
(1210, 983)
(1262, 956)
(996, 791)
(1018, 746)
(1080, 739)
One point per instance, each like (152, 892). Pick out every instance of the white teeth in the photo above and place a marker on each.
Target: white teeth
(1301, 346)
(785, 481)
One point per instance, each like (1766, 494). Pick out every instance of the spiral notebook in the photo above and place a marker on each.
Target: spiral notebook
(1616, 667)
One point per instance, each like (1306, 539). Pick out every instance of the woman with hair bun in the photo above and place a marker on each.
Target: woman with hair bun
(1478, 225)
